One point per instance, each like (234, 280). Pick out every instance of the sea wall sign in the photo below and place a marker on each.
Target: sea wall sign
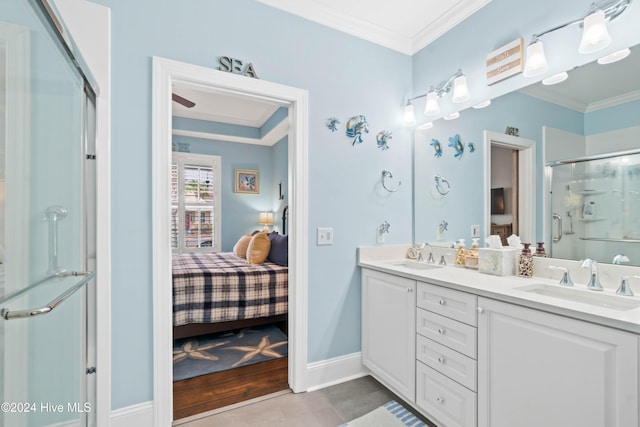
(505, 62)
(236, 66)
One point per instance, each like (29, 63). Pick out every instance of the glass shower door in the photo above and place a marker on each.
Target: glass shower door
(47, 244)
(594, 207)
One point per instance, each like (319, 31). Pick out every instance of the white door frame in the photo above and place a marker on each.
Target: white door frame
(526, 180)
(165, 73)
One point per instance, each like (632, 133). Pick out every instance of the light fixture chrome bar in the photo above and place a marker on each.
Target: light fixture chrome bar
(442, 88)
(611, 8)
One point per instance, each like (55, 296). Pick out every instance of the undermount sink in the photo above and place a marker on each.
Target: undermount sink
(598, 299)
(415, 265)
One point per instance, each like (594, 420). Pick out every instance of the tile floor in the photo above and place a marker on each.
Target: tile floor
(328, 407)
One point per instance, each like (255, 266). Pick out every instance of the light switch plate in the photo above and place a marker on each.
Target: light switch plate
(475, 230)
(325, 236)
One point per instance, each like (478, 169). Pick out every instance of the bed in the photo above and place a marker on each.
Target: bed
(219, 291)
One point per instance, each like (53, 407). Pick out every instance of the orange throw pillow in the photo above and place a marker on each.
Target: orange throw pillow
(240, 248)
(258, 249)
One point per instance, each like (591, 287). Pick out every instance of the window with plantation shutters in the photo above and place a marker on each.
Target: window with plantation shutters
(195, 203)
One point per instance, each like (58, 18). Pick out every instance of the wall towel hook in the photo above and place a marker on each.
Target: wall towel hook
(442, 185)
(385, 175)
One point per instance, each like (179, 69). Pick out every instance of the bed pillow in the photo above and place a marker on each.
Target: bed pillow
(240, 248)
(279, 252)
(258, 249)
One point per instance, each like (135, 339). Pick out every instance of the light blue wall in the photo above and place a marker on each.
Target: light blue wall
(344, 75)
(618, 117)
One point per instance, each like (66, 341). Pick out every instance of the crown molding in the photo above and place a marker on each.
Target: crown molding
(375, 33)
(258, 122)
(268, 140)
(453, 17)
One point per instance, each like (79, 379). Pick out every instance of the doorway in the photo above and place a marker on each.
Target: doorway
(522, 162)
(165, 74)
(224, 355)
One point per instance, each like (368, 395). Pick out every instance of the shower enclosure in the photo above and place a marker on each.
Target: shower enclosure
(47, 222)
(595, 207)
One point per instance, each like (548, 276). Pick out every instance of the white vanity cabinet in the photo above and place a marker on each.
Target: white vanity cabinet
(446, 352)
(539, 369)
(388, 330)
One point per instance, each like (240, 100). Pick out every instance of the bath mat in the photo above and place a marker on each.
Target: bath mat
(391, 414)
(217, 352)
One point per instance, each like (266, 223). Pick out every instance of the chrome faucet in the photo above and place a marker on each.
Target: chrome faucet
(566, 279)
(594, 282)
(430, 259)
(620, 258)
(624, 288)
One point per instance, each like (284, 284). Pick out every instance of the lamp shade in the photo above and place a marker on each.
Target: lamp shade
(409, 114)
(555, 79)
(432, 108)
(266, 219)
(595, 35)
(614, 57)
(460, 90)
(536, 61)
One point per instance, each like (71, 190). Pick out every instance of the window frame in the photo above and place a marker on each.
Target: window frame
(197, 160)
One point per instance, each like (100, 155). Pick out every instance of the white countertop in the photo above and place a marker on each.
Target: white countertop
(506, 288)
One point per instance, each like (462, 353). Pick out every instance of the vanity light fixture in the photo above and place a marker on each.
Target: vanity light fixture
(555, 79)
(457, 81)
(594, 35)
(614, 57)
(452, 116)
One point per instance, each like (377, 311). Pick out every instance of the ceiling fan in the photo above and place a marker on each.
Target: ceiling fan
(182, 101)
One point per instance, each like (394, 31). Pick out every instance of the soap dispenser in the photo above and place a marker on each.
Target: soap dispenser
(460, 252)
(525, 262)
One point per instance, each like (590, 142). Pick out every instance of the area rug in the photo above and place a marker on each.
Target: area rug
(217, 352)
(391, 414)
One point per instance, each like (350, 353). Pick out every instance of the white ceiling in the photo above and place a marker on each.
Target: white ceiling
(403, 25)
(222, 108)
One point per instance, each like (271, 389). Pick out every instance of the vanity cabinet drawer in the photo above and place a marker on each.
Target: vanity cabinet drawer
(451, 303)
(450, 403)
(458, 336)
(448, 362)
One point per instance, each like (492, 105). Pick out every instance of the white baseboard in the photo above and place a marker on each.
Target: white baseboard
(139, 415)
(335, 371)
(319, 375)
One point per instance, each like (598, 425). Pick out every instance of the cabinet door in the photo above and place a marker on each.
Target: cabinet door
(388, 330)
(539, 369)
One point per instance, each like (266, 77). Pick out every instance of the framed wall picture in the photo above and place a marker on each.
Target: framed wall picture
(247, 181)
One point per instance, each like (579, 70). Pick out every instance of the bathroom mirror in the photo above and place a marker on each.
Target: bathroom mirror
(596, 99)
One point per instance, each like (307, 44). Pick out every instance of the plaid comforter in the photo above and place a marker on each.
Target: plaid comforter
(219, 287)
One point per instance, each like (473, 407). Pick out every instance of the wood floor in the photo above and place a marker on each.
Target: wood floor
(207, 392)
